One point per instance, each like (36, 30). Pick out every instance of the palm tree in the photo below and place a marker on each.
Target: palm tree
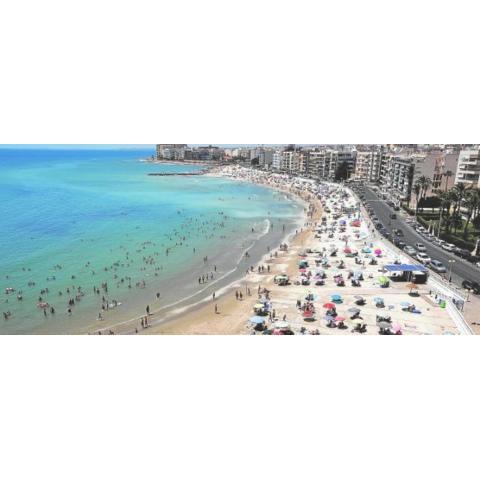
(445, 199)
(417, 189)
(472, 204)
(458, 193)
(448, 174)
(424, 183)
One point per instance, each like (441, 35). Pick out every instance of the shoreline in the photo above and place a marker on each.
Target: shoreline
(231, 315)
(176, 311)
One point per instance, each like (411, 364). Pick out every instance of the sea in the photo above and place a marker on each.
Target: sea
(89, 231)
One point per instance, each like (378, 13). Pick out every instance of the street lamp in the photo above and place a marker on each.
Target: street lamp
(451, 262)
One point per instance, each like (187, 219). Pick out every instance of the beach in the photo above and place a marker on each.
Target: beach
(226, 314)
(173, 253)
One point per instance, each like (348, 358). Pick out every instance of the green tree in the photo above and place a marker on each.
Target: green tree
(472, 205)
(425, 184)
(448, 174)
(416, 189)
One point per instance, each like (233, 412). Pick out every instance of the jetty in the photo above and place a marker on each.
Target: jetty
(177, 174)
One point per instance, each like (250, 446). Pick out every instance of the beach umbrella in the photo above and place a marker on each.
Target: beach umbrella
(329, 305)
(336, 296)
(411, 286)
(358, 297)
(366, 250)
(378, 251)
(347, 250)
(258, 305)
(405, 304)
(281, 324)
(378, 300)
(257, 320)
(396, 327)
(308, 314)
(303, 270)
(339, 319)
(354, 310)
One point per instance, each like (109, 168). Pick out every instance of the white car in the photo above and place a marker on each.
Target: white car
(410, 250)
(420, 247)
(449, 247)
(438, 266)
(423, 258)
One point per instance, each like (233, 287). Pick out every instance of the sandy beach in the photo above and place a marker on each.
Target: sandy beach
(227, 314)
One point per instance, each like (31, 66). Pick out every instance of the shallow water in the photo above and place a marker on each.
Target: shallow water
(71, 218)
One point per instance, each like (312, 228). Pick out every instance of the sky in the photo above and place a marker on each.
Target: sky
(76, 146)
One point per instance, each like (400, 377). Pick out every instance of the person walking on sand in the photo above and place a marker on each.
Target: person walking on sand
(148, 309)
(213, 295)
(216, 308)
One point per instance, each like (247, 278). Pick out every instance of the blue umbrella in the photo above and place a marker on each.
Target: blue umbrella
(405, 304)
(336, 295)
(257, 320)
(378, 300)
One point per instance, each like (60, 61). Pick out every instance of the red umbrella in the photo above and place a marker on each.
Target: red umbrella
(329, 305)
(339, 319)
(347, 250)
(308, 314)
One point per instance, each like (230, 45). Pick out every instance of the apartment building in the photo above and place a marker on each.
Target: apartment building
(440, 166)
(171, 151)
(397, 177)
(323, 163)
(468, 169)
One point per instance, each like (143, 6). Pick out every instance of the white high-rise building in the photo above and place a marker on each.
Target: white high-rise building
(468, 168)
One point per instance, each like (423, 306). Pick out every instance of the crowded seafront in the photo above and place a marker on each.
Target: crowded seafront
(329, 278)
(235, 250)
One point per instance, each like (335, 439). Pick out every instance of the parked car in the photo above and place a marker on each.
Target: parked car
(462, 253)
(420, 230)
(423, 257)
(449, 247)
(409, 250)
(393, 216)
(420, 247)
(396, 208)
(398, 232)
(438, 266)
(471, 285)
(474, 259)
(438, 242)
(399, 243)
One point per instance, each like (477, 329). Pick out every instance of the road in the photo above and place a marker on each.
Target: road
(461, 269)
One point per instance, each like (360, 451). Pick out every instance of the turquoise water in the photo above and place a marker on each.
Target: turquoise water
(80, 218)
